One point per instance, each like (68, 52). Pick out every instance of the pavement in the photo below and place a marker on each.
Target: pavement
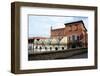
(65, 54)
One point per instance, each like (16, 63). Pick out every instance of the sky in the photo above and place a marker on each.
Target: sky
(39, 25)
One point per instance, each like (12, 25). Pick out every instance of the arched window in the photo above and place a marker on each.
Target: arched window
(36, 47)
(45, 48)
(50, 48)
(62, 48)
(56, 48)
(40, 48)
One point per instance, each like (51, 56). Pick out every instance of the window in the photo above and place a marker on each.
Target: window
(36, 47)
(30, 47)
(40, 48)
(45, 48)
(56, 48)
(69, 38)
(62, 48)
(50, 48)
(78, 38)
(73, 37)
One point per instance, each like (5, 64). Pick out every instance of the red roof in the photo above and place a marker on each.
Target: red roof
(37, 38)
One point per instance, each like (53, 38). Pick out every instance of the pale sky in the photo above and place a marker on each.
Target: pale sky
(39, 26)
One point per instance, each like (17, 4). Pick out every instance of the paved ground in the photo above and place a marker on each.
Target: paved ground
(66, 54)
(83, 55)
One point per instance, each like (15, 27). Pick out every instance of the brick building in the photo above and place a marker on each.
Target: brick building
(73, 35)
(76, 34)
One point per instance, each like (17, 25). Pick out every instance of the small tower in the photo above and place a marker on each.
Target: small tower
(51, 27)
(51, 32)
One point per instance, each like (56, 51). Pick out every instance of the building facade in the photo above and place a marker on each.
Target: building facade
(76, 34)
(40, 45)
(73, 35)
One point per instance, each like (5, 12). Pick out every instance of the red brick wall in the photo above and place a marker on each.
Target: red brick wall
(68, 30)
(57, 33)
(71, 29)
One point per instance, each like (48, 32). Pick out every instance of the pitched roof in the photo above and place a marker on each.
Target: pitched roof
(67, 24)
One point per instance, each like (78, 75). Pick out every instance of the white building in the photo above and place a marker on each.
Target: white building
(41, 45)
